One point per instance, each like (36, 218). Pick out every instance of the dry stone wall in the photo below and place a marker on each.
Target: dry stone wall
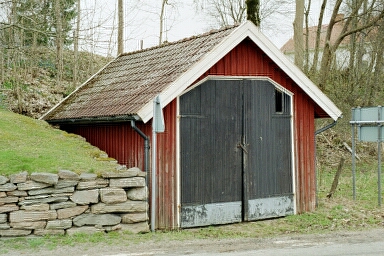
(68, 203)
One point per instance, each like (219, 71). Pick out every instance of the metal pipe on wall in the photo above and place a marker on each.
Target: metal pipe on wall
(146, 150)
(153, 179)
(326, 127)
(146, 145)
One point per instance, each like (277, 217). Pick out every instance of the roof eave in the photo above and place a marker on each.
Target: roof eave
(93, 120)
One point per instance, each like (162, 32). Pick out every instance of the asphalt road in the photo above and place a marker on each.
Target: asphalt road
(365, 248)
(367, 242)
(370, 242)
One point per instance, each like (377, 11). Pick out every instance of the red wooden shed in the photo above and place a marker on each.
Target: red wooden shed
(239, 125)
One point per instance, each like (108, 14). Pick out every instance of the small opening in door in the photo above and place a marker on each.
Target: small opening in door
(278, 101)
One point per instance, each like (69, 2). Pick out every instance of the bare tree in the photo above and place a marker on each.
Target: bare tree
(76, 45)
(2, 71)
(120, 36)
(162, 13)
(14, 39)
(35, 41)
(298, 33)
(59, 42)
(315, 61)
(347, 30)
(224, 12)
(231, 12)
(377, 66)
(306, 53)
(253, 11)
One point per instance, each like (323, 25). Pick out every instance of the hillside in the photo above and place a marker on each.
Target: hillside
(32, 88)
(27, 144)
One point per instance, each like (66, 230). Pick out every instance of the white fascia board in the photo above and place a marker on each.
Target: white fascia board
(295, 74)
(78, 88)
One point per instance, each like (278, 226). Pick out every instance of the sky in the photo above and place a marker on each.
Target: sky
(183, 19)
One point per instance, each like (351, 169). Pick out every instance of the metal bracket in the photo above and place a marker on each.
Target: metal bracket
(242, 147)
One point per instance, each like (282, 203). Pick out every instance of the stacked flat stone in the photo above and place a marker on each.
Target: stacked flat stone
(68, 203)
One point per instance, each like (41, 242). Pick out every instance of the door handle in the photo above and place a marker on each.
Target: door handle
(242, 147)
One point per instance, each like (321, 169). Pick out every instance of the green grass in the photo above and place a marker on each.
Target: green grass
(32, 145)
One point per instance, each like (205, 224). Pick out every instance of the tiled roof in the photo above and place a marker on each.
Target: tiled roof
(132, 80)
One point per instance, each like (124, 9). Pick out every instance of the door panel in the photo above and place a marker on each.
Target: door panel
(211, 214)
(236, 161)
(270, 207)
(269, 167)
(211, 171)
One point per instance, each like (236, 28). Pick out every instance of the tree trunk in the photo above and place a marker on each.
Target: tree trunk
(347, 30)
(352, 54)
(298, 33)
(59, 42)
(377, 65)
(120, 30)
(14, 52)
(162, 21)
(336, 178)
(1, 67)
(76, 46)
(253, 11)
(306, 51)
(361, 47)
(318, 34)
(328, 49)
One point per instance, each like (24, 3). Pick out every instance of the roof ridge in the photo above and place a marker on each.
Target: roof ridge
(186, 39)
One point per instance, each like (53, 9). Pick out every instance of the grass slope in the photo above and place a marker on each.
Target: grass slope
(32, 145)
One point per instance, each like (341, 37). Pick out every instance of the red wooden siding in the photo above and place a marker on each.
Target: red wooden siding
(166, 171)
(248, 60)
(121, 142)
(305, 153)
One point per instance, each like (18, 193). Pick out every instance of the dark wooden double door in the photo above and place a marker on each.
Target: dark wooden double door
(236, 152)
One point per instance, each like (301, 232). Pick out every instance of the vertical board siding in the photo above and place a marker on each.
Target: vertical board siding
(268, 136)
(167, 171)
(121, 142)
(246, 59)
(305, 140)
(209, 134)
